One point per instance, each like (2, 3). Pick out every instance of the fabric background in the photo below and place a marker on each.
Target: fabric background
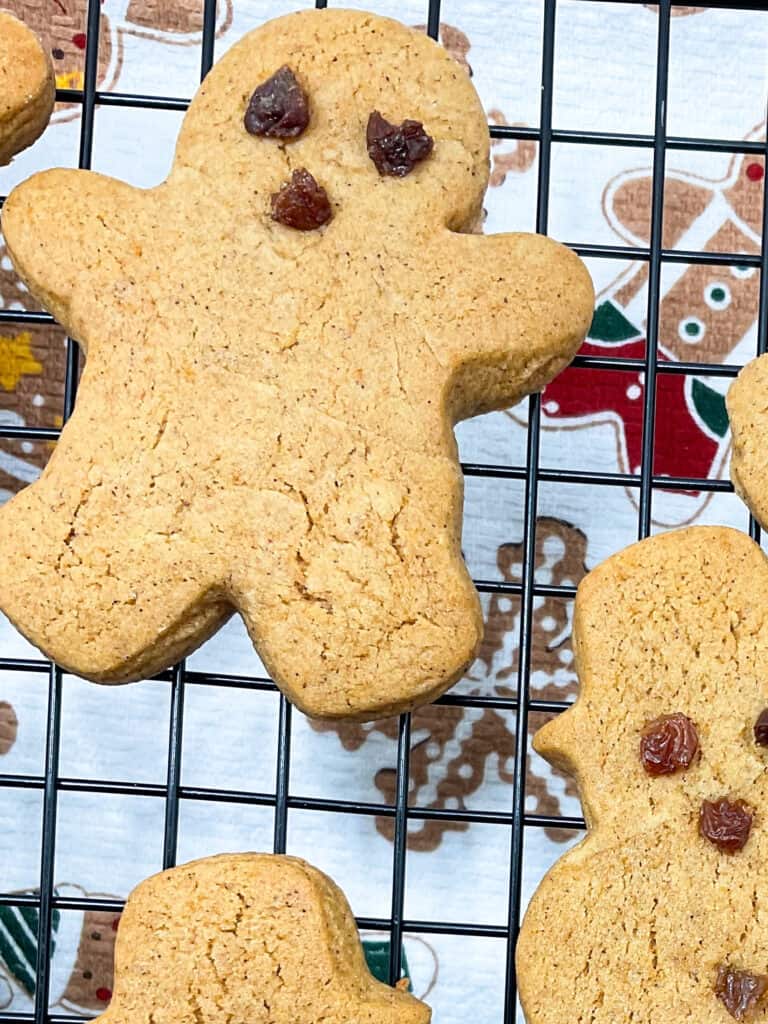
(461, 758)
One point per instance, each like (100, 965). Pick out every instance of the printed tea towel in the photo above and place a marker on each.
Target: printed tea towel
(461, 757)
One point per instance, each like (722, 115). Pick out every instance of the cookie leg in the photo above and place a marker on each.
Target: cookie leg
(374, 612)
(110, 597)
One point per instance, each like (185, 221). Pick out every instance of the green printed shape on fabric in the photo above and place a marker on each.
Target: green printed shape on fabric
(17, 949)
(377, 957)
(710, 406)
(18, 942)
(609, 324)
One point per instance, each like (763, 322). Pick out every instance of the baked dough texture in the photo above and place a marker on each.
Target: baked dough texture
(264, 421)
(27, 87)
(747, 403)
(633, 923)
(247, 937)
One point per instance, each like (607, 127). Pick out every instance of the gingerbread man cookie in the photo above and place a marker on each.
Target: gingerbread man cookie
(27, 88)
(280, 338)
(748, 415)
(660, 913)
(247, 937)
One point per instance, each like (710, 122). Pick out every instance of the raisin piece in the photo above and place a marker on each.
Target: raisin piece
(725, 823)
(739, 991)
(278, 108)
(668, 744)
(761, 729)
(396, 149)
(301, 203)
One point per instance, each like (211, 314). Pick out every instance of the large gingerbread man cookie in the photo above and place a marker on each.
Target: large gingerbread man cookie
(661, 913)
(247, 937)
(27, 88)
(279, 340)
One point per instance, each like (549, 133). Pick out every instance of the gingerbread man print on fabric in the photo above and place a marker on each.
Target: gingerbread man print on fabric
(61, 26)
(264, 421)
(660, 910)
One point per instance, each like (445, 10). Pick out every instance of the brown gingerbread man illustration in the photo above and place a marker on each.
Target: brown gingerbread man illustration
(61, 25)
(707, 310)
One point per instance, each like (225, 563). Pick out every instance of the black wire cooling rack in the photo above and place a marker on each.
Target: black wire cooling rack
(51, 783)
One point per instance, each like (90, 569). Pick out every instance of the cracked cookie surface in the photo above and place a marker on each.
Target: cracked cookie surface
(646, 912)
(265, 418)
(27, 87)
(247, 937)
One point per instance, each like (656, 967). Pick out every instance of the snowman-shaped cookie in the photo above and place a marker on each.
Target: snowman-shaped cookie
(279, 340)
(661, 913)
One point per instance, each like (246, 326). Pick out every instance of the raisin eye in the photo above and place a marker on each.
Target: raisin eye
(278, 108)
(761, 729)
(395, 149)
(668, 744)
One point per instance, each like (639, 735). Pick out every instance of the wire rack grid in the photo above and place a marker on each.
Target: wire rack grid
(45, 900)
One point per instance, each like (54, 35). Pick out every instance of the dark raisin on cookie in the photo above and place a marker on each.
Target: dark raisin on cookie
(668, 744)
(739, 991)
(301, 203)
(396, 149)
(761, 729)
(726, 823)
(278, 108)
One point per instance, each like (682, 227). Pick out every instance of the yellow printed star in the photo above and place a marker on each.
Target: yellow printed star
(16, 359)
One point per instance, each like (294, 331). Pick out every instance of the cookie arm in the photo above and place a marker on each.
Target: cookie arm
(61, 224)
(505, 314)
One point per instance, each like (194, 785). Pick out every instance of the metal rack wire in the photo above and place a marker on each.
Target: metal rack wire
(180, 678)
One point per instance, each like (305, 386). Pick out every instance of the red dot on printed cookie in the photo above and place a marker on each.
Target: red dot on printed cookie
(755, 172)
(80, 39)
(104, 994)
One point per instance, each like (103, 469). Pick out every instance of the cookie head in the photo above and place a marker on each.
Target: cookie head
(672, 655)
(249, 937)
(348, 82)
